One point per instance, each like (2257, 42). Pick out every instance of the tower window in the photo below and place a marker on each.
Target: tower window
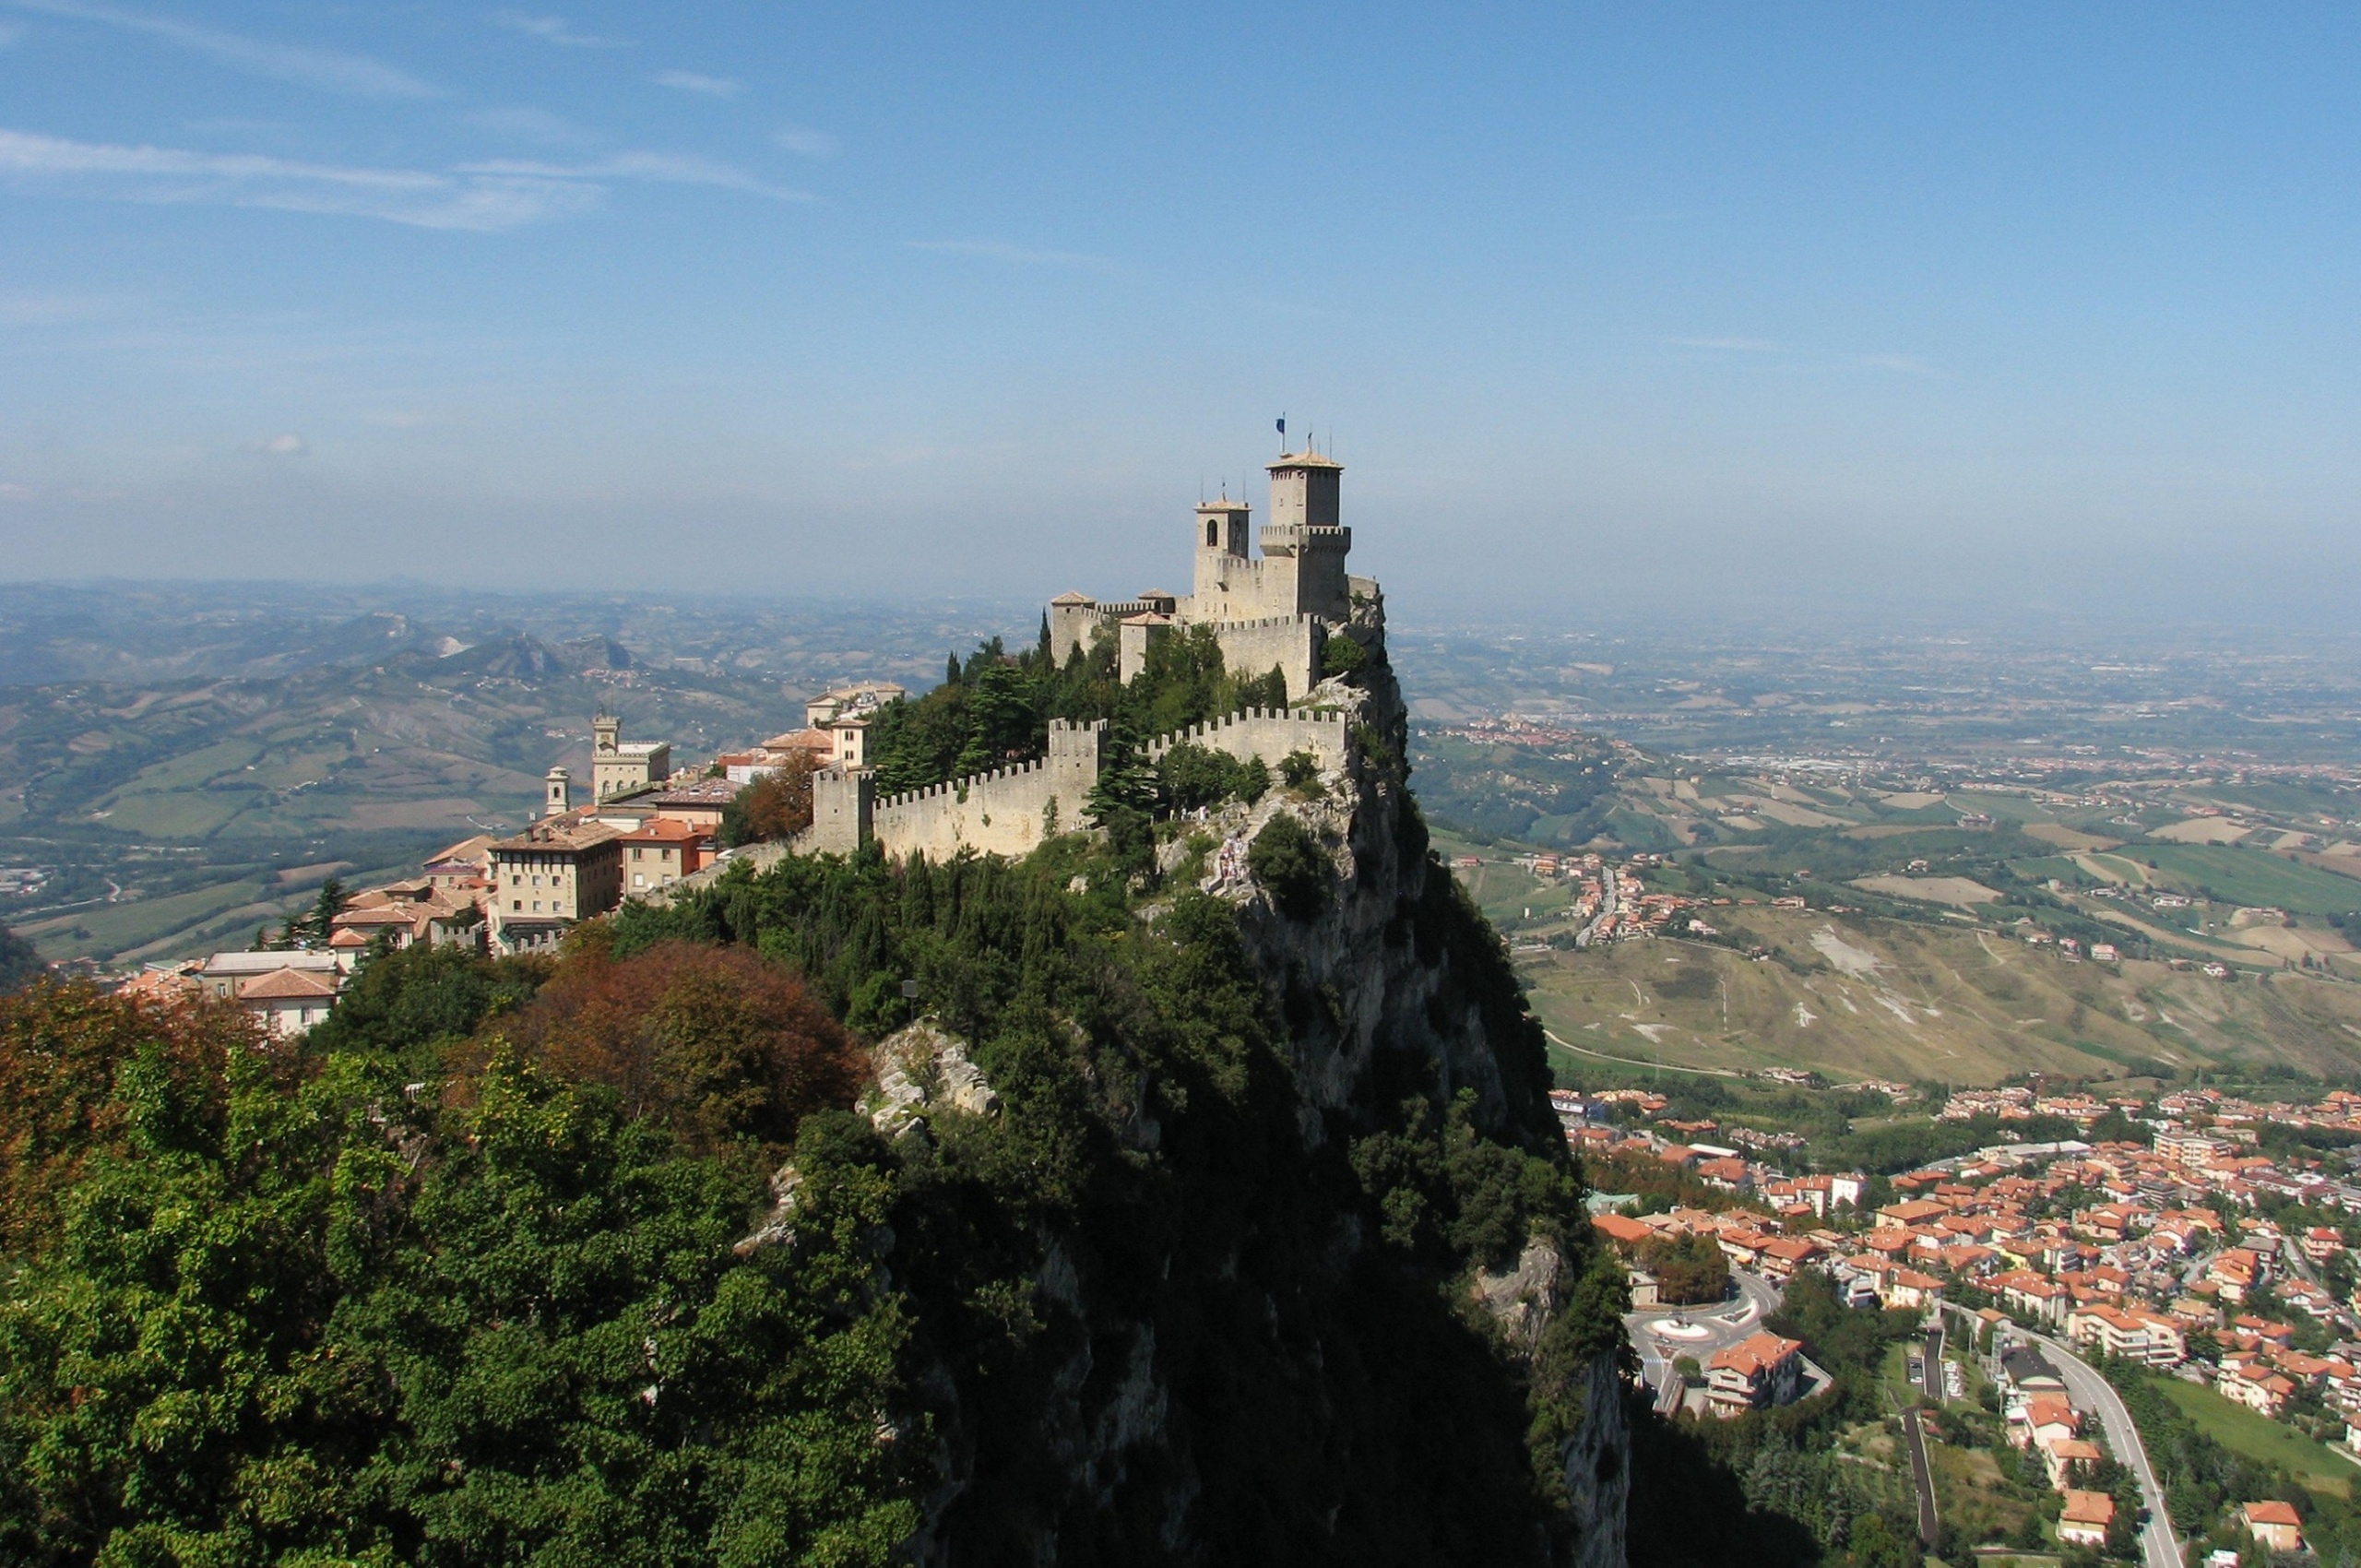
(1213, 531)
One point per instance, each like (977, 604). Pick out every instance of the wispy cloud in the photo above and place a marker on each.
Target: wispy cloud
(655, 168)
(56, 309)
(555, 29)
(488, 197)
(530, 125)
(487, 202)
(286, 445)
(690, 82)
(1730, 345)
(326, 70)
(810, 144)
(997, 250)
(1908, 364)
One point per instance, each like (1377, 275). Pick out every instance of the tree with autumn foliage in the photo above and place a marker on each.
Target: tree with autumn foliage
(777, 804)
(61, 1045)
(718, 1043)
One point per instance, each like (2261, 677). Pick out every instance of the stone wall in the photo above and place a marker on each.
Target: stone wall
(1005, 812)
(1293, 643)
(1266, 732)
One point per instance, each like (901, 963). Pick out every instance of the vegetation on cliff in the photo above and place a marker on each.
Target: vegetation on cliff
(593, 1260)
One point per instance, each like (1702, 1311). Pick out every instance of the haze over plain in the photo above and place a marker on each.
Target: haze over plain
(1861, 307)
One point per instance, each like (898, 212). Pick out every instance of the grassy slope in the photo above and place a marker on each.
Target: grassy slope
(1955, 1005)
(2243, 1431)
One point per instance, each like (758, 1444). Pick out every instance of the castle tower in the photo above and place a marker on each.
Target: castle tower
(606, 735)
(559, 793)
(1304, 544)
(1224, 568)
(1303, 492)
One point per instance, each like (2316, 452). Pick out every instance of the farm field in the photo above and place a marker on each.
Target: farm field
(1855, 997)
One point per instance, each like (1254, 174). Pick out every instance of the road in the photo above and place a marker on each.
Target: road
(1663, 1334)
(1922, 1476)
(2089, 1391)
(1932, 1373)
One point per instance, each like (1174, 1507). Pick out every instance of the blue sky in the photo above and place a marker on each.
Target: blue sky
(1818, 306)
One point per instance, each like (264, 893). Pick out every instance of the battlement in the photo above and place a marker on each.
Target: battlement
(1305, 538)
(1268, 734)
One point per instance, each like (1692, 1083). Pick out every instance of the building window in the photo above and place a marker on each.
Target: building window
(516, 904)
(1213, 531)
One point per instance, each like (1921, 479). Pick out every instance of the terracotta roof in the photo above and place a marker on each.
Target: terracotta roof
(2092, 1508)
(1616, 1228)
(347, 937)
(811, 740)
(2271, 1512)
(284, 985)
(1757, 1352)
(664, 829)
(382, 914)
(1069, 597)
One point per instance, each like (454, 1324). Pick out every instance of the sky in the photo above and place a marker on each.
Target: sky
(1852, 310)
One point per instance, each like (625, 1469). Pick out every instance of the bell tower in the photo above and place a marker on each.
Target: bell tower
(1225, 572)
(561, 792)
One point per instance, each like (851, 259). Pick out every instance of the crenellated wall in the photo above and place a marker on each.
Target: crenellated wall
(1004, 813)
(1268, 734)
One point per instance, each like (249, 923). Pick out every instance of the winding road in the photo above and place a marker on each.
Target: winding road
(2089, 1391)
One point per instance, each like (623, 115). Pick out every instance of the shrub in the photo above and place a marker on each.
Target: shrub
(1301, 769)
(1286, 860)
(718, 1042)
(1342, 655)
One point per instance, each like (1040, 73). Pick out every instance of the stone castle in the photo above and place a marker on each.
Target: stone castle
(1275, 612)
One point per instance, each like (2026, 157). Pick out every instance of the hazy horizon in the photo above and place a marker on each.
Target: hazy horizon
(1869, 311)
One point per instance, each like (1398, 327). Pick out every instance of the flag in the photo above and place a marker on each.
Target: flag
(1283, 424)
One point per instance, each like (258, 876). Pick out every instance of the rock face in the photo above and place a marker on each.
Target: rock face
(922, 1067)
(1388, 978)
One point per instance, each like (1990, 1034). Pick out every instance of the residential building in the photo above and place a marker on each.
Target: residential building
(2257, 1387)
(2274, 1524)
(290, 1001)
(227, 975)
(1759, 1371)
(549, 876)
(2085, 1518)
(2131, 1332)
(660, 851)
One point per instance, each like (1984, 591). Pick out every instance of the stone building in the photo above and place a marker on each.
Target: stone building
(618, 767)
(549, 876)
(1275, 610)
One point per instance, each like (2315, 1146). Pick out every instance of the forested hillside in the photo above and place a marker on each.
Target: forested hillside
(1181, 1228)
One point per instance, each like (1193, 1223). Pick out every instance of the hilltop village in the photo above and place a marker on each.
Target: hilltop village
(1289, 621)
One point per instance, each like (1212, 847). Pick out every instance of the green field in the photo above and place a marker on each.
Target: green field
(2241, 1430)
(2247, 876)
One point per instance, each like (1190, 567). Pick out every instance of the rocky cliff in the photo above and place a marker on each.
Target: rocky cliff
(1323, 1321)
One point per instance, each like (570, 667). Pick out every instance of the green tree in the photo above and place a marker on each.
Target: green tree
(1287, 860)
(20, 962)
(321, 924)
